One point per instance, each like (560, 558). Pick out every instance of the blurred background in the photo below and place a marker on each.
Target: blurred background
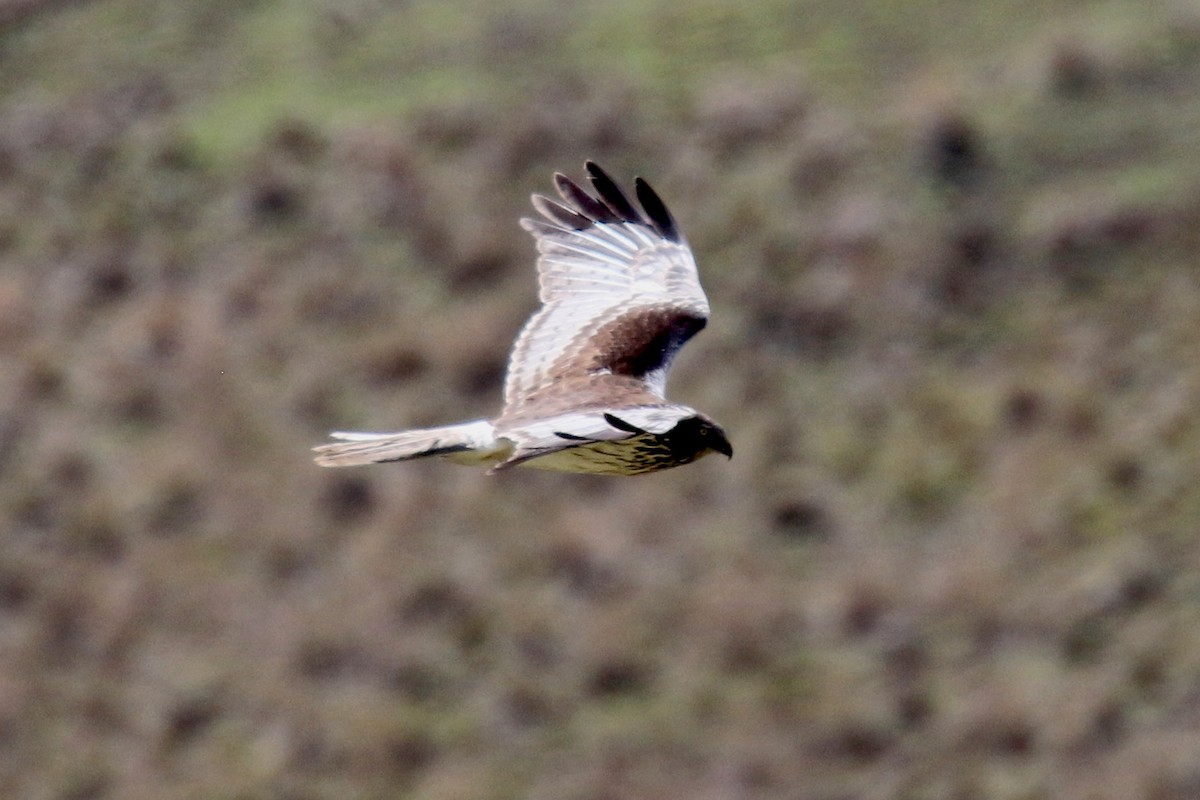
(953, 253)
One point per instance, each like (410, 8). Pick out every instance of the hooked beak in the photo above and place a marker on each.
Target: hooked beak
(722, 446)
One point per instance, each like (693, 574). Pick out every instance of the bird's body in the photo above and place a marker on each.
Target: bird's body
(586, 383)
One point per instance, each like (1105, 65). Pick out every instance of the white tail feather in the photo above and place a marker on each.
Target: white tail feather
(466, 443)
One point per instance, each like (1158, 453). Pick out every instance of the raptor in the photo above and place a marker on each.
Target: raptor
(587, 377)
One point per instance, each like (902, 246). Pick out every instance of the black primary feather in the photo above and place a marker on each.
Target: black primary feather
(567, 217)
(660, 218)
(583, 202)
(612, 195)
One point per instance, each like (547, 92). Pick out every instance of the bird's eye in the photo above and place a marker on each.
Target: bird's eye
(704, 431)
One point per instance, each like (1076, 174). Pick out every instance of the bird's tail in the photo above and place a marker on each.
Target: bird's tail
(466, 443)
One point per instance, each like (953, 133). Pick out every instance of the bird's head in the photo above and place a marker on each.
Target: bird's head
(698, 436)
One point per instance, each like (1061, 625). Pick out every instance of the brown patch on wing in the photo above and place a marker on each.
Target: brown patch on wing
(639, 342)
(610, 367)
(610, 205)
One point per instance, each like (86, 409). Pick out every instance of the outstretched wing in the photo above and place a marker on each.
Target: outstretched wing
(618, 285)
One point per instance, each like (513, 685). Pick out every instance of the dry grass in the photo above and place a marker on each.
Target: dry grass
(954, 345)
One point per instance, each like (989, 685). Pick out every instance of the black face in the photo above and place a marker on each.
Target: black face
(692, 437)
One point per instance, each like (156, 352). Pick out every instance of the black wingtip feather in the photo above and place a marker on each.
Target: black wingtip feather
(660, 218)
(611, 194)
(567, 217)
(583, 202)
(609, 205)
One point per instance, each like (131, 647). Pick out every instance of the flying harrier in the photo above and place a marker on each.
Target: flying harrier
(587, 378)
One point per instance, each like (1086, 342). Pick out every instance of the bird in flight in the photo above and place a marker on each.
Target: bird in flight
(587, 377)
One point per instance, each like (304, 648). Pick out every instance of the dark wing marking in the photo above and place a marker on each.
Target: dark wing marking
(592, 209)
(622, 425)
(612, 195)
(644, 341)
(559, 213)
(660, 218)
